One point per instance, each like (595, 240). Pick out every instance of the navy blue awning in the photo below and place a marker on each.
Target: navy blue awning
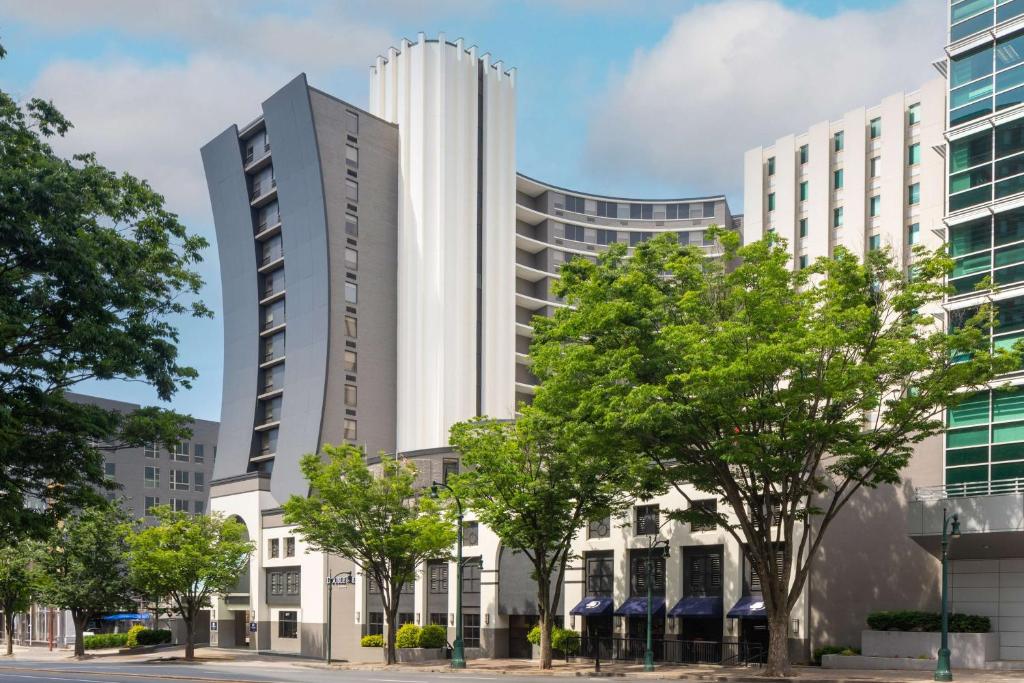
(697, 607)
(749, 606)
(637, 607)
(593, 607)
(125, 616)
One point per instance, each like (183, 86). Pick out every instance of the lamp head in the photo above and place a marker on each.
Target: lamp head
(955, 532)
(433, 490)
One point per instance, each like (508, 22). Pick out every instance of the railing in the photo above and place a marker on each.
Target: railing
(252, 155)
(977, 488)
(736, 653)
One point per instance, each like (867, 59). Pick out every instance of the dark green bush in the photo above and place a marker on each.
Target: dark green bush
(408, 636)
(375, 640)
(103, 641)
(562, 639)
(826, 650)
(433, 635)
(153, 636)
(909, 620)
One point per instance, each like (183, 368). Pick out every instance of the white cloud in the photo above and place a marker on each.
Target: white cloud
(736, 74)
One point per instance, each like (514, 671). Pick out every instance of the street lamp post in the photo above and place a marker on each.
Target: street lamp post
(652, 543)
(952, 525)
(339, 579)
(458, 649)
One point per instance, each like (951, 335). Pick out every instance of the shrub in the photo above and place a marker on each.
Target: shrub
(826, 650)
(533, 637)
(133, 635)
(850, 652)
(103, 641)
(150, 636)
(433, 635)
(375, 640)
(565, 640)
(908, 620)
(408, 636)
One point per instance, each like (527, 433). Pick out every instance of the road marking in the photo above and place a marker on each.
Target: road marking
(47, 678)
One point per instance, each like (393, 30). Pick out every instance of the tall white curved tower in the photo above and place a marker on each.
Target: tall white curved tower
(455, 112)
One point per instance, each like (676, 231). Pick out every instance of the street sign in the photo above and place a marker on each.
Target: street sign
(252, 627)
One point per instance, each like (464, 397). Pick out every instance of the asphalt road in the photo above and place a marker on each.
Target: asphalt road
(73, 672)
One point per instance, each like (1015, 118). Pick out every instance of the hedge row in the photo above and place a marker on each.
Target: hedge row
(102, 641)
(144, 636)
(563, 640)
(411, 635)
(907, 620)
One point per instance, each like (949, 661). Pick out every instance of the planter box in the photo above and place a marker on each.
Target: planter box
(876, 663)
(967, 650)
(420, 654)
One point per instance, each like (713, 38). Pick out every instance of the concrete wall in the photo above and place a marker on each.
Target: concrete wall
(993, 588)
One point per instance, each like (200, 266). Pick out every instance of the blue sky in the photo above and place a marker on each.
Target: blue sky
(644, 98)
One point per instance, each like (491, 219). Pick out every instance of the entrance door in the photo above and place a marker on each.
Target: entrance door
(754, 634)
(518, 626)
(599, 633)
(241, 627)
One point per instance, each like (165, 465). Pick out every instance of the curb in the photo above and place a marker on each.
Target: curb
(176, 677)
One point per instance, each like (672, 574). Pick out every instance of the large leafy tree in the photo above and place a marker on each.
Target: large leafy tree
(92, 270)
(84, 568)
(186, 560)
(373, 516)
(536, 482)
(17, 585)
(781, 392)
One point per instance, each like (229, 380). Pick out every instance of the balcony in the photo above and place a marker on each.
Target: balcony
(257, 158)
(991, 518)
(263, 192)
(267, 227)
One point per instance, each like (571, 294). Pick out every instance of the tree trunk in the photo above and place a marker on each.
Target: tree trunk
(545, 640)
(389, 643)
(778, 644)
(190, 636)
(80, 621)
(9, 625)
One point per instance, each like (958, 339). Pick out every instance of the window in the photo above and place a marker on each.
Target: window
(804, 153)
(985, 437)
(351, 258)
(352, 156)
(438, 618)
(289, 546)
(350, 361)
(641, 211)
(600, 575)
(875, 128)
(914, 233)
(970, 83)
(574, 232)
(802, 262)
(771, 201)
(837, 179)
(288, 624)
(702, 571)
(350, 430)
(647, 520)
(914, 194)
(375, 624)
(449, 468)
(199, 454)
(803, 191)
(351, 190)
(274, 314)
(600, 528)
(151, 478)
(151, 450)
(471, 629)
(350, 326)
(985, 248)
(914, 114)
(875, 206)
(350, 395)
(437, 573)
(352, 122)
(574, 204)
(803, 227)
(837, 217)
(470, 533)
(179, 480)
(709, 505)
(709, 209)
(199, 507)
(876, 167)
(914, 154)
(351, 225)
(637, 238)
(752, 580)
(606, 236)
(180, 452)
(874, 242)
(109, 469)
(178, 505)
(351, 292)
(471, 577)
(268, 442)
(838, 141)
(151, 503)
(771, 166)
(275, 548)
(638, 571)
(198, 481)
(608, 209)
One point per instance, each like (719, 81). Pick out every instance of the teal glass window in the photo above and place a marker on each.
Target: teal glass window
(838, 141)
(914, 154)
(875, 205)
(875, 168)
(803, 261)
(1009, 138)
(1005, 188)
(803, 227)
(803, 191)
(914, 233)
(970, 237)
(837, 217)
(970, 112)
(837, 179)
(1010, 98)
(968, 265)
(970, 66)
(875, 128)
(771, 201)
(970, 151)
(914, 194)
(965, 8)
(804, 154)
(1010, 51)
(971, 198)
(914, 114)
(967, 27)
(972, 92)
(972, 411)
(874, 242)
(976, 177)
(1010, 166)
(1009, 227)
(771, 166)
(1009, 10)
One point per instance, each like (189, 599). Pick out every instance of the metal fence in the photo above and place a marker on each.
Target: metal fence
(977, 488)
(738, 653)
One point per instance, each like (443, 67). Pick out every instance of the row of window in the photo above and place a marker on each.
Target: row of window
(987, 79)
(874, 202)
(991, 247)
(987, 165)
(578, 233)
(967, 17)
(985, 435)
(179, 480)
(274, 547)
(182, 452)
(637, 211)
(646, 520)
(176, 504)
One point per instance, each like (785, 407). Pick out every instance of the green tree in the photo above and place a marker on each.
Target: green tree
(374, 517)
(536, 482)
(92, 269)
(187, 560)
(84, 568)
(783, 393)
(17, 584)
